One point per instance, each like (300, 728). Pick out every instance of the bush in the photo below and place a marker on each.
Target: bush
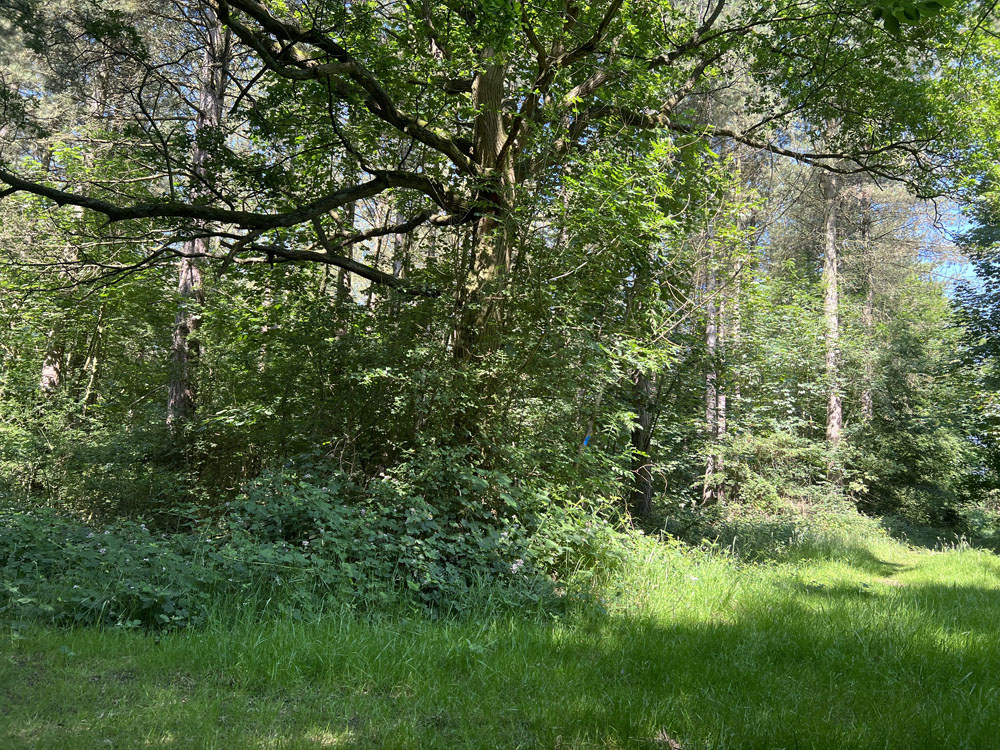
(433, 531)
(768, 471)
(435, 535)
(63, 571)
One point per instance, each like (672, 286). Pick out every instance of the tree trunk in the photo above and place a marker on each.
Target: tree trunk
(868, 310)
(344, 276)
(711, 383)
(185, 347)
(831, 309)
(490, 258)
(721, 414)
(344, 284)
(92, 365)
(641, 495)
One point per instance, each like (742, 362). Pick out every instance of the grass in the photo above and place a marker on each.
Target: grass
(859, 644)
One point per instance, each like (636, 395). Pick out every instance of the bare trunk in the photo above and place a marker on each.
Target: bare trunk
(720, 399)
(641, 496)
(490, 258)
(868, 311)
(344, 276)
(185, 347)
(344, 284)
(715, 398)
(831, 309)
(92, 365)
(711, 385)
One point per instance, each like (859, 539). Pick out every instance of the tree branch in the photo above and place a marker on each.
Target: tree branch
(383, 180)
(377, 101)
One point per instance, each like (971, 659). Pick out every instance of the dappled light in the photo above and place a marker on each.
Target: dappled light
(500, 374)
(823, 654)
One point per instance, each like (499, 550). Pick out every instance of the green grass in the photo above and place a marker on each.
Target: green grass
(866, 644)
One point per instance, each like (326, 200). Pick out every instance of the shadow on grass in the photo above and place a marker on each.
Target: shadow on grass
(856, 556)
(817, 667)
(933, 538)
(790, 539)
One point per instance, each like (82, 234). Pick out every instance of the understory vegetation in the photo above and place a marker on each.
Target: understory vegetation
(849, 640)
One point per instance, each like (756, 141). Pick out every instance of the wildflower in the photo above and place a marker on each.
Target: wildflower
(516, 565)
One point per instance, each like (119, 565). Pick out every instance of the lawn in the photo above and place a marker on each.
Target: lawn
(869, 646)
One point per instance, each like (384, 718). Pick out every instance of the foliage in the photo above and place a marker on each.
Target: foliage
(429, 535)
(772, 470)
(694, 647)
(64, 572)
(508, 278)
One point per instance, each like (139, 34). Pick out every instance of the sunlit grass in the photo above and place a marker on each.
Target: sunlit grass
(846, 643)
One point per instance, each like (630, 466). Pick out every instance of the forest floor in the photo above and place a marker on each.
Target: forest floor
(871, 645)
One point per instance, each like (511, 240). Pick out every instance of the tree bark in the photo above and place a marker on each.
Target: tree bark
(641, 495)
(185, 347)
(490, 256)
(831, 308)
(92, 365)
(868, 310)
(712, 463)
(344, 276)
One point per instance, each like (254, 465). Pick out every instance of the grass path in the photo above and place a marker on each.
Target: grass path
(874, 646)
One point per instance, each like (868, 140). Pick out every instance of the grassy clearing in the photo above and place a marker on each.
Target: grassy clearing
(866, 644)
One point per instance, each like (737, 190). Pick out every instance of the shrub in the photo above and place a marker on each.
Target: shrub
(770, 470)
(65, 572)
(435, 535)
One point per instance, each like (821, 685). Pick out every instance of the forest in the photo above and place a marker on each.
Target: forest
(494, 373)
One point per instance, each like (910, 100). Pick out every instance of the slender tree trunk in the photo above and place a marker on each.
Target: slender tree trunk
(92, 365)
(711, 382)
(641, 495)
(344, 276)
(185, 347)
(344, 285)
(868, 310)
(721, 413)
(831, 309)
